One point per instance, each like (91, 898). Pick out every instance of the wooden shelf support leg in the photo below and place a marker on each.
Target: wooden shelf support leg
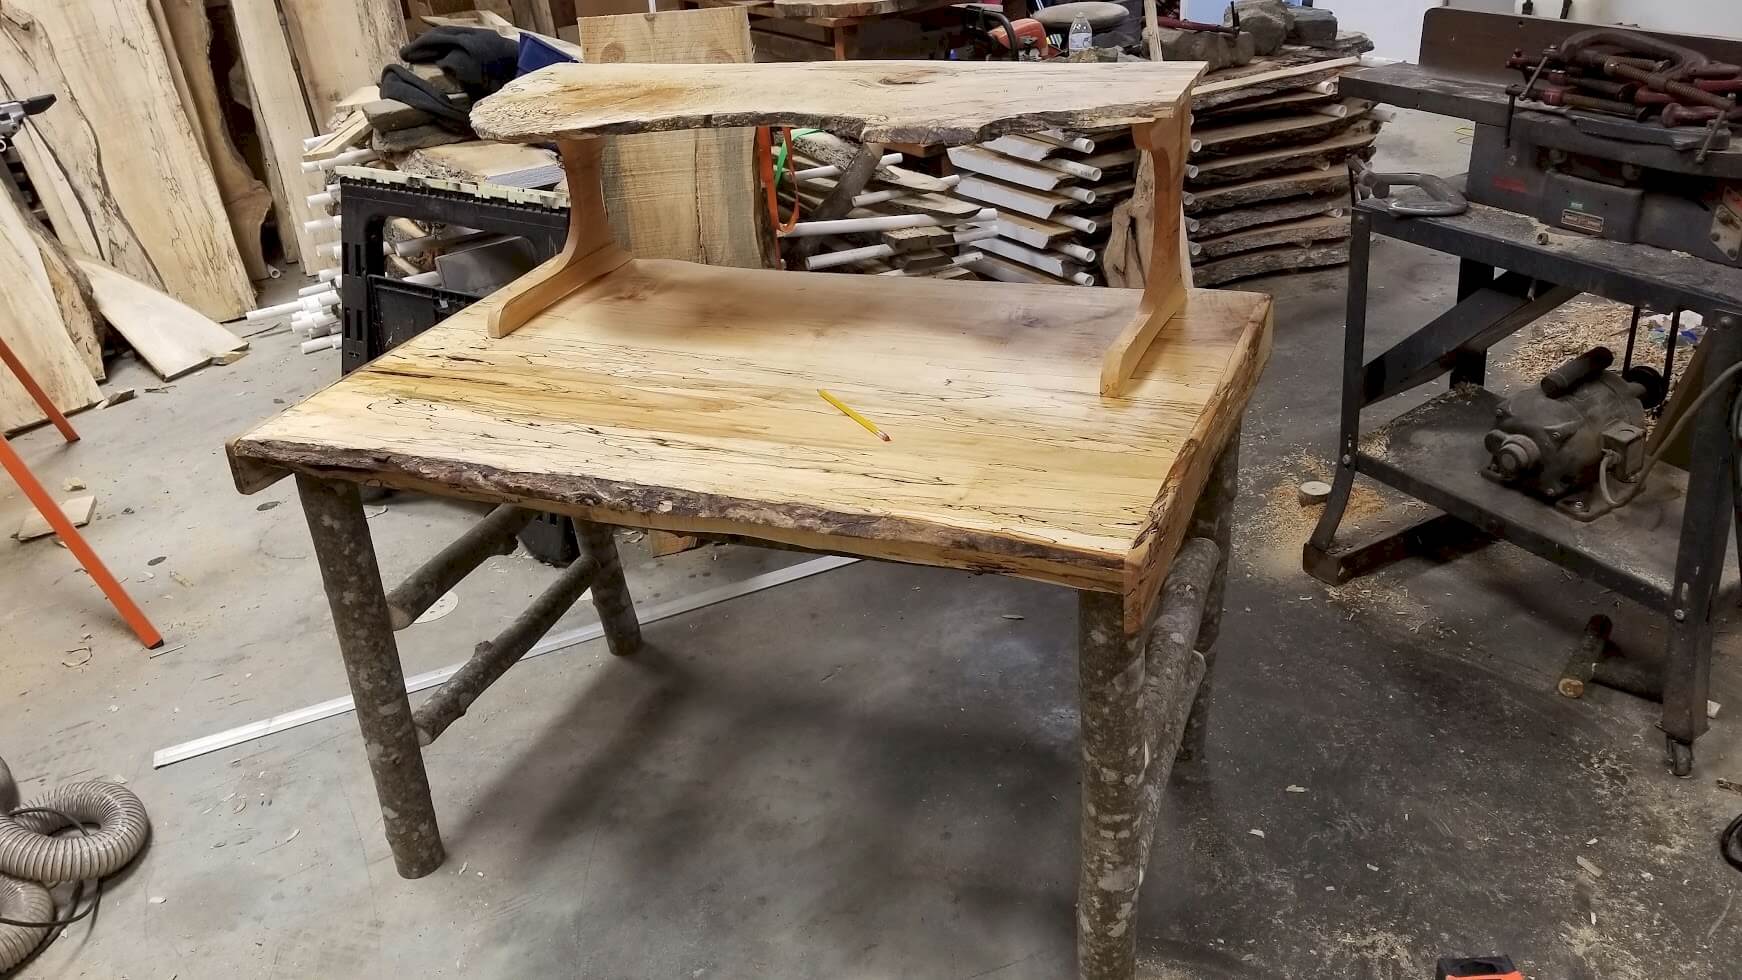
(611, 598)
(346, 554)
(1168, 143)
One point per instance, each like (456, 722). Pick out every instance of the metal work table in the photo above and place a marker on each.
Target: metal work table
(1670, 550)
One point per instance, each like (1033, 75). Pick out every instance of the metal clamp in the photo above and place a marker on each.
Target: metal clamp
(1444, 200)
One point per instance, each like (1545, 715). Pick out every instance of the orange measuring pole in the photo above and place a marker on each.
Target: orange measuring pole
(57, 519)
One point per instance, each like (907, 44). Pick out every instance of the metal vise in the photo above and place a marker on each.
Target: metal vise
(1554, 439)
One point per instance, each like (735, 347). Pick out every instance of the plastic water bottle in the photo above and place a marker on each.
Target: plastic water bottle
(1082, 35)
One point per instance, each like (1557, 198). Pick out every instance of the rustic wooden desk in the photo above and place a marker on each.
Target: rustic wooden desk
(662, 394)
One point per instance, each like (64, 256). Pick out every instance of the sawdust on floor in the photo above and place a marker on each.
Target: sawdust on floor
(1577, 327)
(1273, 537)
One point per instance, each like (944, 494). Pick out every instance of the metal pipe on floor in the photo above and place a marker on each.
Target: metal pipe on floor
(494, 535)
(492, 658)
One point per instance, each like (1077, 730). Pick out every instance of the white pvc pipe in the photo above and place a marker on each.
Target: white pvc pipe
(878, 197)
(345, 159)
(966, 258)
(1082, 279)
(319, 301)
(975, 234)
(432, 278)
(315, 289)
(1076, 221)
(1082, 194)
(311, 142)
(828, 260)
(321, 343)
(1076, 251)
(321, 200)
(888, 160)
(321, 224)
(328, 275)
(413, 247)
(268, 312)
(849, 226)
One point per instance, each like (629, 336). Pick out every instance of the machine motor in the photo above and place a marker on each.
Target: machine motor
(1555, 439)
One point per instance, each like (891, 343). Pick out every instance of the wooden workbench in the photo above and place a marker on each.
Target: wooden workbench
(1080, 437)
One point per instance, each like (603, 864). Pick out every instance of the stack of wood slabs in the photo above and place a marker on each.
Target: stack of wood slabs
(342, 44)
(1267, 186)
(937, 250)
(1054, 192)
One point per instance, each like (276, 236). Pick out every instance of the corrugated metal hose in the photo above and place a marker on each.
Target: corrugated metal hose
(31, 857)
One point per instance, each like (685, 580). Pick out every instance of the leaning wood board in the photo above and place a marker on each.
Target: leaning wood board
(187, 38)
(283, 118)
(871, 101)
(683, 195)
(342, 44)
(122, 140)
(171, 336)
(30, 323)
(665, 395)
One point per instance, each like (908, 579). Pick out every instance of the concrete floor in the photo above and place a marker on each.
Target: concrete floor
(865, 774)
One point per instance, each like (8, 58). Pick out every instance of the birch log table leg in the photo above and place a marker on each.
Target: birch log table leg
(611, 598)
(1214, 519)
(346, 554)
(1139, 692)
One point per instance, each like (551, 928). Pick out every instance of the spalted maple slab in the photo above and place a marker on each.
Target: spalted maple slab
(872, 101)
(664, 395)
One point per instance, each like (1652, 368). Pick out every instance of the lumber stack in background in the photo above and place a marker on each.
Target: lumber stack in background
(1267, 185)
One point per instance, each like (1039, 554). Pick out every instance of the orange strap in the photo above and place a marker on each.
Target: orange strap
(765, 152)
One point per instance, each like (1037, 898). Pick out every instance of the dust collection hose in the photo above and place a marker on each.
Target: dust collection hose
(31, 858)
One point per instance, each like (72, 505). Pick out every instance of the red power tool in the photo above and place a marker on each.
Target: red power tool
(1478, 968)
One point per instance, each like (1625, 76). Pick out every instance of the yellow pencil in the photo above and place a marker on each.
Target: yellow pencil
(869, 425)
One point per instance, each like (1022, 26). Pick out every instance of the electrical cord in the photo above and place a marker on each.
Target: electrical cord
(1693, 411)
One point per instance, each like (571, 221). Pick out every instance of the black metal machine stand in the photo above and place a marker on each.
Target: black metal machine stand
(381, 312)
(1435, 452)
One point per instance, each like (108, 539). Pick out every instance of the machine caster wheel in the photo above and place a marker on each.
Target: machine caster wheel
(1681, 757)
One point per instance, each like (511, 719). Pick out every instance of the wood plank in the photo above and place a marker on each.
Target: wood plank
(124, 144)
(870, 101)
(72, 295)
(830, 150)
(1302, 232)
(1251, 136)
(169, 335)
(1283, 159)
(1302, 99)
(1235, 219)
(1309, 183)
(283, 118)
(689, 195)
(721, 430)
(1032, 232)
(77, 509)
(1037, 204)
(1265, 261)
(1221, 91)
(342, 44)
(1024, 147)
(484, 162)
(1052, 263)
(30, 324)
(347, 135)
(187, 36)
(974, 159)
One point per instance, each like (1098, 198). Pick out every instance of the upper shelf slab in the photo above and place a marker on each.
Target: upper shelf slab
(873, 101)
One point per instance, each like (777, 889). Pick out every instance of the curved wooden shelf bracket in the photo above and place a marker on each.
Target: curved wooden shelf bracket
(589, 252)
(1168, 143)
